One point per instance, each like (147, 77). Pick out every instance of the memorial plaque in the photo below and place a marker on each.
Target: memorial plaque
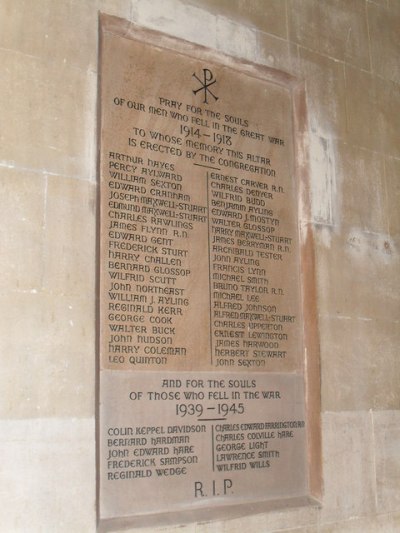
(201, 322)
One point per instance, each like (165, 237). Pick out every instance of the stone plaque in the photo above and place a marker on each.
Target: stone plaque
(201, 322)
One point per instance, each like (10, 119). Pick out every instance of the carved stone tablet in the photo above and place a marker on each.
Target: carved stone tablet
(202, 380)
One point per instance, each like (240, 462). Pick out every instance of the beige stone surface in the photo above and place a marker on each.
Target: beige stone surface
(268, 16)
(392, 173)
(373, 108)
(274, 52)
(23, 195)
(235, 39)
(301, 520)
(385, 45)
(363, 120)
(257, 523)
(178, 19)
(69, 237)
(387, 445)
(388, 104)
(180, 528)
(325, 88)
(48, 344)
(393, 5)
(43, 29)
(362, 191)
(305, 517)
(360, 367)
(325, 185)
(387, 523)
(49, 110)
(358, 274)
(118, 8)
(335, 28)
(348, 466)
(383, 3)
(47, 473)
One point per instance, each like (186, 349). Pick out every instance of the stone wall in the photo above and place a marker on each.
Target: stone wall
(347, 51)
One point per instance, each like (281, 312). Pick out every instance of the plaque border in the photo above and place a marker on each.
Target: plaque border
(308, 290)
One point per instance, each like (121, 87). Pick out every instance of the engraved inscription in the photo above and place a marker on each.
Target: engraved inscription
(205, 84)
(194, 195)
(201, 330)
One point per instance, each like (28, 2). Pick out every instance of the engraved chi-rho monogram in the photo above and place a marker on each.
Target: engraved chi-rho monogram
(206, 82)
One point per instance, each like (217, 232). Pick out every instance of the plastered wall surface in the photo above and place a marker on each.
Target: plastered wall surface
(347, 51)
